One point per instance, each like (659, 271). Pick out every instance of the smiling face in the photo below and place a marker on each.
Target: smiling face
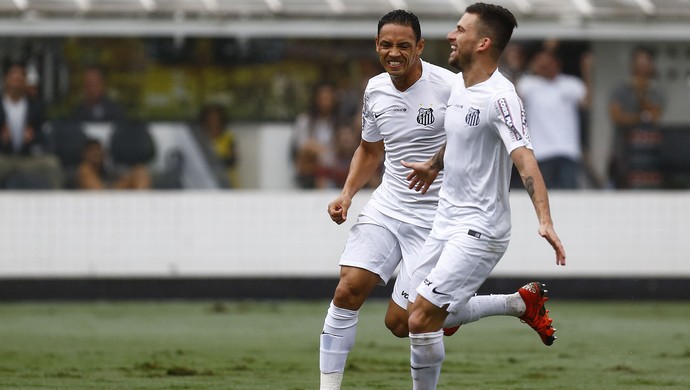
(463, 41)
(546, 65)
(399, 53)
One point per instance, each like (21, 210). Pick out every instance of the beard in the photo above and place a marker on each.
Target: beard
(461, 60)
(456, 62)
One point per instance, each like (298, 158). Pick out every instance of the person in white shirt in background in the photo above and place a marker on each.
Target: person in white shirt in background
(552, 102)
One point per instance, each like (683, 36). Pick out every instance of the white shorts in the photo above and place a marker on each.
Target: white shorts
(451, 271)
(378, 243)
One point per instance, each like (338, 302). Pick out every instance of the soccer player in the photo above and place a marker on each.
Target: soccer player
(486, 134)
(402, 119)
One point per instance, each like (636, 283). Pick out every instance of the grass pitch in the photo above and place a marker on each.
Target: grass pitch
(274, 345)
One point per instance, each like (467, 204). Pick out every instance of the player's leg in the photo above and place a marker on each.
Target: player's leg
(340, 325)
(370, 257)
(427, 351)
(396, 315)
(463, 265)
(527, 304)
(425, 320)
(481, 306)
(411, 239)
(396, 319)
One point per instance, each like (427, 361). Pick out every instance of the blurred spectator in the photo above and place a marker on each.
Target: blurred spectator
(33, 81)
(513, 62)
(552, 102)
(586, 64)
(346, 142)
(314, 133)
(95, 171)
(23, 163)
(635, 109)
(349, 95)
(131, 149)
(96, 105)
(213, 121)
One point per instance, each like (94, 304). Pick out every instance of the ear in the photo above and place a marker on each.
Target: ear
(484, 44)
(420, 47)
(376, 42)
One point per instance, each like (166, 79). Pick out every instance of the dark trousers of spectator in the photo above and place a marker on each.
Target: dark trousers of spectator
(560, 172)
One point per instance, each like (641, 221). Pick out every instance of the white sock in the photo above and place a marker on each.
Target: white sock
(337, 338)
(426, 356)
(480, 306)
(331, 381)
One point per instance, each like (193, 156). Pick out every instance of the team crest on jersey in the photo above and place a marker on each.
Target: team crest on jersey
(472, 117)
(425, 116)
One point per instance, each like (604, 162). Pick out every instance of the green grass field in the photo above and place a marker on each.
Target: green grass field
(274, 345)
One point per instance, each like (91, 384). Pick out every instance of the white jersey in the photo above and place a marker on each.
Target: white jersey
(484, 124)
(552, 108)
(410, 123)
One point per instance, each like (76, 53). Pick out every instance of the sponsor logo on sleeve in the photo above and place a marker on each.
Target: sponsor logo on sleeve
(508, 119)
(365, 106)
(525, 130)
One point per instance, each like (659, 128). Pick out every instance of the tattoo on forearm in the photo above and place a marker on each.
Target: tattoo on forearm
(529, 186)
(437, 159)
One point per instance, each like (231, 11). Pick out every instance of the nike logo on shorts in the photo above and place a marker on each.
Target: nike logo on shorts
(433, 290)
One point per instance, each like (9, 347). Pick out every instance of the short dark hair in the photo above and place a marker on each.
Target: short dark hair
(496, 22)
(642, 50)
(13, 63)
(96, 68)
(210, 108)
(402, 18)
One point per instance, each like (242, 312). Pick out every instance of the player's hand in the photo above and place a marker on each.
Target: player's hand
(549, 233)
(422, 175)
(337, 209)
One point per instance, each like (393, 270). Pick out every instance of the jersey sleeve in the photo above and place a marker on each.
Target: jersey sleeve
(510, 122)
(370, 132)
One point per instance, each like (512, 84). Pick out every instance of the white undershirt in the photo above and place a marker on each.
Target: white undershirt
(15, 114)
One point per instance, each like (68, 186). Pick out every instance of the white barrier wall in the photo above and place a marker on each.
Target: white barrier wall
(288, 233)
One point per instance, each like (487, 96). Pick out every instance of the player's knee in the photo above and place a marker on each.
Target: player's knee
(397, 326)
(418, 322)
(348, 297)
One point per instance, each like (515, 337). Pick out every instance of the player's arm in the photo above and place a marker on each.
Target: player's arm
(526, 164)
(424, 173)
(365, 163)
(649, 111)
(621, 117)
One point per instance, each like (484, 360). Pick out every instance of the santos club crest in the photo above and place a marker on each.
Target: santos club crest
(472, 117)
(425, 116)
